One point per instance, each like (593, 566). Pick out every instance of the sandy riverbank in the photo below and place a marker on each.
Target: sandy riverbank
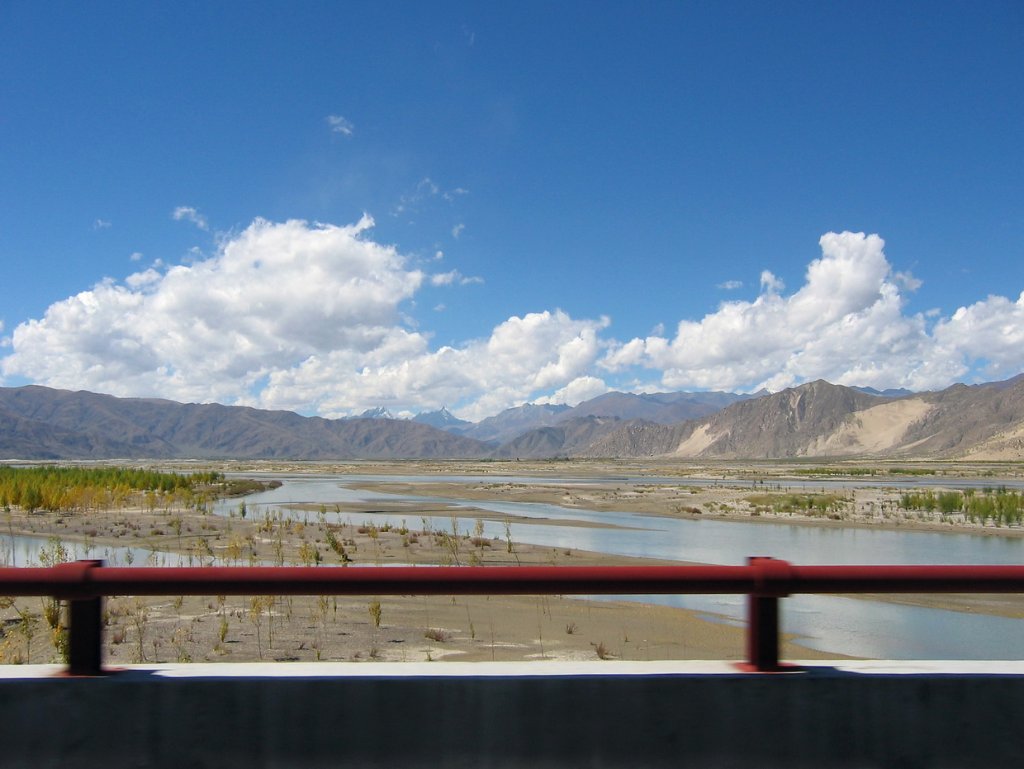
(855, 507)
(862, 508)
(410, 629)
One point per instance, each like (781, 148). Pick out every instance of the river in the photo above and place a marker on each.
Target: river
(843, 625)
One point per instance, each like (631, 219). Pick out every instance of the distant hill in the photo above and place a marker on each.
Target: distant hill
(513, 422)
(819, 419)
(516, 425)
(890, 393)
(566, 432)
(974, 422)
(32, 439)
(561, 440)
(41, 423)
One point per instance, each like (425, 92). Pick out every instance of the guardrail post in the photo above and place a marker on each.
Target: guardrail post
(763, 632)
(763, 618)
(85, 632)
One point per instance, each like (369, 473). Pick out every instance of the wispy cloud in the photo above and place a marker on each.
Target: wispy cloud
(426, 190)
(190, 214)
(444, 278)
(453, 277)
(731, 285)
(457, 230)
(101, 224)
(907, 281)
(340, 125)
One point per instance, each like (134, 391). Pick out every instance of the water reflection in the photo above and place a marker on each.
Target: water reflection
(26, 551)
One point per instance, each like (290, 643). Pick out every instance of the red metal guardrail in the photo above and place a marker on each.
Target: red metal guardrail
(84, 584)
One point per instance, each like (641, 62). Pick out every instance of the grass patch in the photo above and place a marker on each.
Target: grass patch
(808, 504)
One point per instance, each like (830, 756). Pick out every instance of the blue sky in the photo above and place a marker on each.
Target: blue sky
(331, 206)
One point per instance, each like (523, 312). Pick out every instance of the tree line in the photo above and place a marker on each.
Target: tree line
(59, 489)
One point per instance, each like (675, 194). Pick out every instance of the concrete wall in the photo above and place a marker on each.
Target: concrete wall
(538, 715)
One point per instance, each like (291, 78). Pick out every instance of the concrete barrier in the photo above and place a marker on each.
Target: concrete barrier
(602, 714)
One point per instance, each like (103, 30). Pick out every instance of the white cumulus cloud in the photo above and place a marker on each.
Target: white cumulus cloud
(991, 331)
(316, 318)
(271, 297)
(578, 390)
(292, 315)
(522, 359)
(845, 324)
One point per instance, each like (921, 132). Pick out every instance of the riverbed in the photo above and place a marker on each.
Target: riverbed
(856, 627)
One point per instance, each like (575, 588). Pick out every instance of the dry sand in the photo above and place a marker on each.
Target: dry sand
(215, 628)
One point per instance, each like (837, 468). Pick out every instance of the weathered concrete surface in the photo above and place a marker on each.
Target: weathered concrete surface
(602, 714)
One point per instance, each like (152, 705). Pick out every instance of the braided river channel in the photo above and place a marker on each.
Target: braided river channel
(853, 626)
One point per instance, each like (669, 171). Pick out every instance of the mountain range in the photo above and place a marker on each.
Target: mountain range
(40, 423)
(817, 419)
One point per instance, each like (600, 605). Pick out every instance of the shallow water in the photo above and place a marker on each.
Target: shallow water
(843, 625)
(649, 536)
(25, 551)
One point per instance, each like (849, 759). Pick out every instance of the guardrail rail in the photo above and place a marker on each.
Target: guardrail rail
(84, 585)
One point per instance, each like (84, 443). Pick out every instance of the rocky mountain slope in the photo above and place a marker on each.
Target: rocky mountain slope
(538, 431)
(819, 419)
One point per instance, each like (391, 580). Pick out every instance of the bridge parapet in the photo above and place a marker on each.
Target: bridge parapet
(541, 714)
